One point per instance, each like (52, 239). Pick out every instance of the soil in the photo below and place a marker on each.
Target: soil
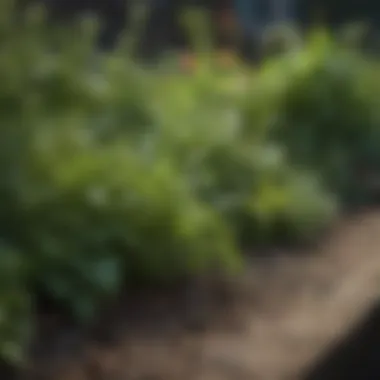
(282, 317)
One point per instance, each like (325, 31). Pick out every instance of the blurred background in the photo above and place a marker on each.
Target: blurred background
(189, 189)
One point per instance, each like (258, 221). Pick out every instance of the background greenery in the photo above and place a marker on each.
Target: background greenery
(112, 174)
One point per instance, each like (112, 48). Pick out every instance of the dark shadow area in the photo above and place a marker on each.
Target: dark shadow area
(357, 357)
(7, 372)
(163, 30)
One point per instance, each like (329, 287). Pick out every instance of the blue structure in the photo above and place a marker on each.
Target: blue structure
(255, 15)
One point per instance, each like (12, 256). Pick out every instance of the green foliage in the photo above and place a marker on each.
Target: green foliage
(112, 174)
(327, 112)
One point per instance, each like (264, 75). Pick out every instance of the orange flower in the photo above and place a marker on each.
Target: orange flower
(188, 62)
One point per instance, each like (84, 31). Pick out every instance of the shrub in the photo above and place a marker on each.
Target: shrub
(108, 179)
(233, 167)
(84, 209)
(325, 100)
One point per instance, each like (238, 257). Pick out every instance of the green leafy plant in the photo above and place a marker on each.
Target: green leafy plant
(106, 179)
(324, 109)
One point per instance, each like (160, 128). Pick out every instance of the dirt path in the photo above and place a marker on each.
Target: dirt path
(313, 304)
(290, 312)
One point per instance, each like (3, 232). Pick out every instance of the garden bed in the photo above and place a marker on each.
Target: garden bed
(286, 313)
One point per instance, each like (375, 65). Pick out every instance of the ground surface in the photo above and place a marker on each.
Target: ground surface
(288, 312)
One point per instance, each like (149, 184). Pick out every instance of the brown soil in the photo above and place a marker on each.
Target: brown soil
(287, 311)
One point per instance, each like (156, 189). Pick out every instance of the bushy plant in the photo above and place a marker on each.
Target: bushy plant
(325, 109)
(232, 166)
(113, 174)
(83, 206)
